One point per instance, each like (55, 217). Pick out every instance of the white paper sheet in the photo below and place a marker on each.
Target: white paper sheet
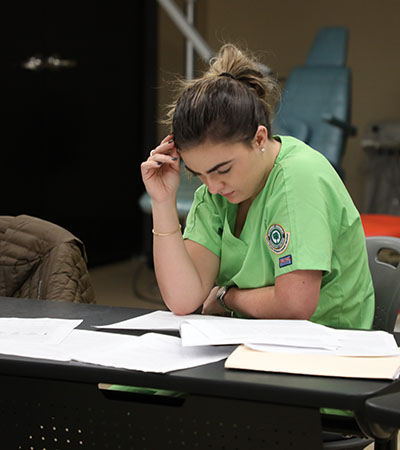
(282, 336)
(290, 336)
(278, 332)
(157, 320)
(149, 353)
(41, 351)
(350, 343)
(39, 331)
(76, 343)
(366, 343)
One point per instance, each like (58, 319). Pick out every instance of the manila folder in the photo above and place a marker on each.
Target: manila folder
(377, 367)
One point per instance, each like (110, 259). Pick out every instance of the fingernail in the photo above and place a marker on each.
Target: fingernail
(170, 141)
(174, 158)
(160, 163)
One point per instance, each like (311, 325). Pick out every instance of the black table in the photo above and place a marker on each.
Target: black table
(56, 405)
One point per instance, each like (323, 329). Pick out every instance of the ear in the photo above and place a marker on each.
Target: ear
(261, 137)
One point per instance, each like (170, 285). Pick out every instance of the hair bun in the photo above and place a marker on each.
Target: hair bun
(212, 109)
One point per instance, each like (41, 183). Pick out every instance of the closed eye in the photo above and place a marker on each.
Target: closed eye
(222, 172)
(192, 172)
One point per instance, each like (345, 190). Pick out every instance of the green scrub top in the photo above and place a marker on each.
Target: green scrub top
(303, 219)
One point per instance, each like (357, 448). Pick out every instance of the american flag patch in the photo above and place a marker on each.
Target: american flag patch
(285, 261)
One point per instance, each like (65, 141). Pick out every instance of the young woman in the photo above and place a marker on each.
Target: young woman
(272, 232)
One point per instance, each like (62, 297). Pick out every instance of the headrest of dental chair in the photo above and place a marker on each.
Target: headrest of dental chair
(329, 47)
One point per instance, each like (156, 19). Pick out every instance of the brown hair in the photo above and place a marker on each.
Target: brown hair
(227, 104)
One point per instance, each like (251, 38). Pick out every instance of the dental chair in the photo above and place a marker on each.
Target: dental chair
(316, 99)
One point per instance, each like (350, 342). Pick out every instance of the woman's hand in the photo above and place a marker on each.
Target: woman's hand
(212, 305)
(161, 171)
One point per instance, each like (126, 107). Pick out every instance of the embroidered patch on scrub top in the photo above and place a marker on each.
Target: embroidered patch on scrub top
(277, 238)
(285, 261)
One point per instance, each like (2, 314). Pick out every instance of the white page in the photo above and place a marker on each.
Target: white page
(76, 343)
(350, 343)
(149, 353)
(290, 350)
(158, 320)
(294, 336)
(366, 343)
(41, 351)
(278, 332)
(39, 331)
(166, 320)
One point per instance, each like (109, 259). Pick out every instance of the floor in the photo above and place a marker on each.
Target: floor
(128, 283)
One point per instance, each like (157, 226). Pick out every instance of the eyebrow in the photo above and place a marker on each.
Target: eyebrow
(213, 169)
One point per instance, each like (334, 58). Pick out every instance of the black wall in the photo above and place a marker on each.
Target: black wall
(73, 135)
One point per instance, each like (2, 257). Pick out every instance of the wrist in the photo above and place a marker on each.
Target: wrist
(165, 214)
(166, 205)
(221, 298)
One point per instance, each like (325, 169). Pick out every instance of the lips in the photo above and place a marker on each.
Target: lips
(228, 194)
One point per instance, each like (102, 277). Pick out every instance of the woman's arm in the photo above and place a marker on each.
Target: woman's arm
(185, 270)
(185, 278)
(295, 295)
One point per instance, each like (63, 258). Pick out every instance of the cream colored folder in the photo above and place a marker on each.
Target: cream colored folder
(377, 367)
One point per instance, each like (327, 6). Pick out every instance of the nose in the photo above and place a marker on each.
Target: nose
(214, 186)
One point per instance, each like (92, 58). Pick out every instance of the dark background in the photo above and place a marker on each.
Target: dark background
(73, 137)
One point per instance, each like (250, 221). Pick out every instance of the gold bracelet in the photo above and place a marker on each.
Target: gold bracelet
(156, 233)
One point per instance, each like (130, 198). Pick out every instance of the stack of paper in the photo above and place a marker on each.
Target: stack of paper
(283, 336)
(56, 339)
(49, 331)
(288, 346)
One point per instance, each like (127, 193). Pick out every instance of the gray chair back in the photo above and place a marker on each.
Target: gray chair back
(316, 101)
(386, 280)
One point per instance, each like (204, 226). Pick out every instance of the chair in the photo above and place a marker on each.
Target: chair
(381, 225)
(41, 260)
(315, 108)
(315, 104)
(386, 279)
(384, 410)
(385, 271)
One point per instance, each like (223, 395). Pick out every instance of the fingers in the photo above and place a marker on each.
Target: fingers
(167, 145)
(165, 155)
(165, 152)
(167, 138)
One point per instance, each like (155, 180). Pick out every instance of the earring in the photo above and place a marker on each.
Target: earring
(262, 150)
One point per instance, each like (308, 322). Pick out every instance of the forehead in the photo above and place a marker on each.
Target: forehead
(203, 157)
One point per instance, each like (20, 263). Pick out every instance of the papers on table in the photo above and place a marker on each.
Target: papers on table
(287, 346)
(282, 336)
(55, 339)
(157, 320)
(292, 346)
(150, 352)
(348, 343)
(239, 331)
(45, 331)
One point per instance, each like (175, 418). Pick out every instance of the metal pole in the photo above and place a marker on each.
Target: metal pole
(192, 34)
(187, 30)
(189, 45)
